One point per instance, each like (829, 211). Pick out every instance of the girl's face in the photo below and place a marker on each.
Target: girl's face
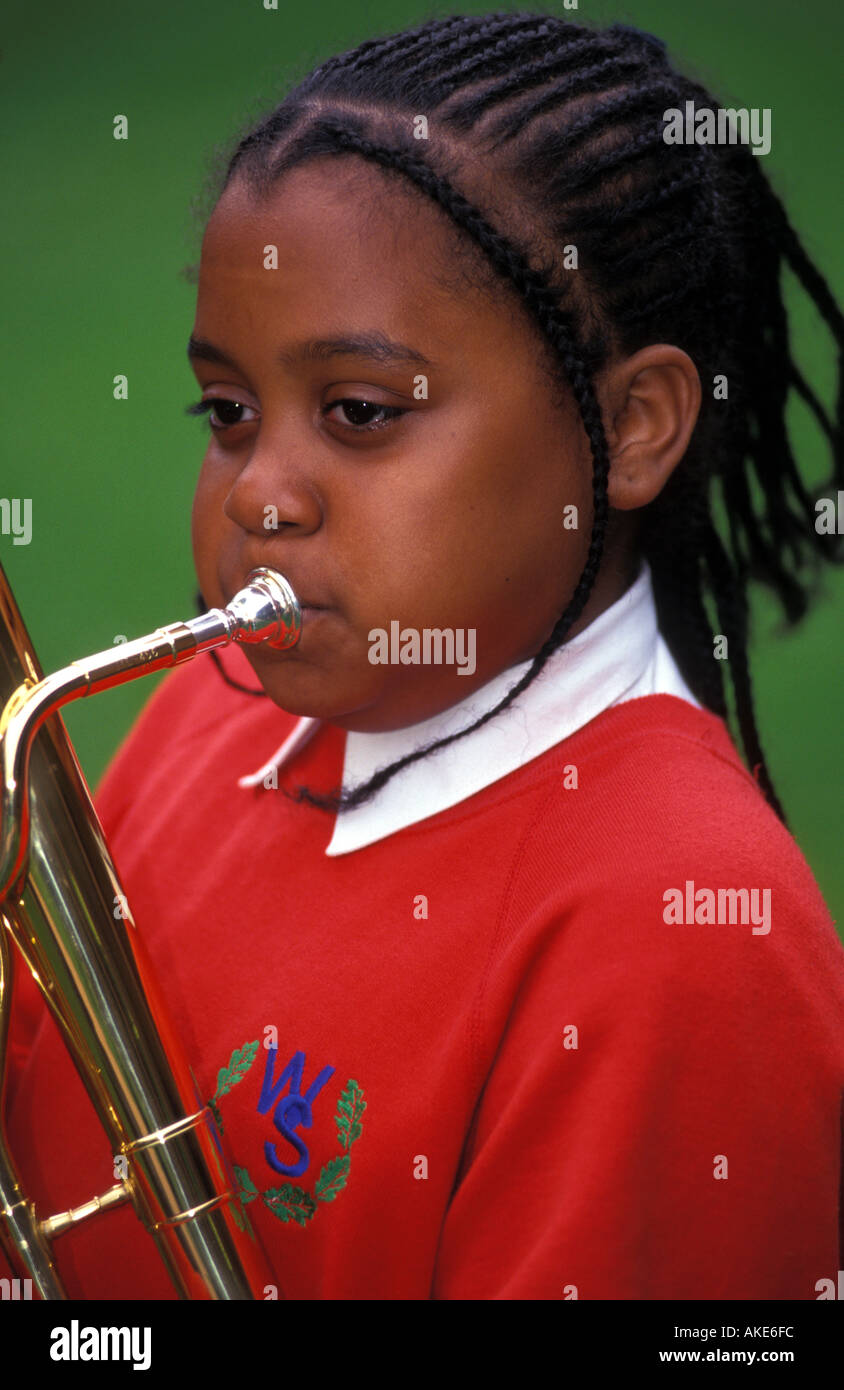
(389, 444)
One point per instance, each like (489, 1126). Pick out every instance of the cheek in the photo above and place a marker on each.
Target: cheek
(524, 528)
(206, 514)
(198, 518)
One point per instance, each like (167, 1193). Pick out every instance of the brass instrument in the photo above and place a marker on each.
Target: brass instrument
(62, 903)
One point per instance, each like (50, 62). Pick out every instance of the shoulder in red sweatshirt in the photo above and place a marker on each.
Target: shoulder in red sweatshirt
(556, 1041)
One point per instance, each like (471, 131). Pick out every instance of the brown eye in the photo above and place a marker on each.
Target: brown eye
(227, 413)
(222, 413)
(360, 414)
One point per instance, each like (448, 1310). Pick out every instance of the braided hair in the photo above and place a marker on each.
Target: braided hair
(677, 243)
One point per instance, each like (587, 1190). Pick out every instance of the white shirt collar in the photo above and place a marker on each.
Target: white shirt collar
(620, 656)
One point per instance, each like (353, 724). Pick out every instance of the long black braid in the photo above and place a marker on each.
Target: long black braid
(676, 243)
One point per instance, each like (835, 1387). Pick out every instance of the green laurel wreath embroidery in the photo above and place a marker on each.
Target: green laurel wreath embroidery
(239, 1064)
(227, 1077)
(350, 1107)
(248, 1190)
(332, 1179)
(289, 1202)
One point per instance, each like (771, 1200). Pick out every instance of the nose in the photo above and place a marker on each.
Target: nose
(274, 492)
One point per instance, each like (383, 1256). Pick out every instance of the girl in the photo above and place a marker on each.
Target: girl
(503, 976)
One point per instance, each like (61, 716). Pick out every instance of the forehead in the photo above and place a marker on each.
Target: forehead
(348, 239)
(335, 192)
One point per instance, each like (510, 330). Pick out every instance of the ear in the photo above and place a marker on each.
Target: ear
(650, 403)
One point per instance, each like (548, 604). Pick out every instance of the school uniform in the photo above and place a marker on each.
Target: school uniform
(556, 1015)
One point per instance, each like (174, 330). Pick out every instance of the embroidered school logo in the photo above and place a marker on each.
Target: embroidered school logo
(291, 1109)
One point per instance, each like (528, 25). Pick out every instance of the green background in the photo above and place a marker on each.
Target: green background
(96, 235)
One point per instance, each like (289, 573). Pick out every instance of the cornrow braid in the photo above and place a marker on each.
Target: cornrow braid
(571, 58)
(379, 50)
(441, 38)
(680, 244)
(451, 71)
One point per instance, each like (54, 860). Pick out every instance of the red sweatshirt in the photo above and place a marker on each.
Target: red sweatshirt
(527, 1048)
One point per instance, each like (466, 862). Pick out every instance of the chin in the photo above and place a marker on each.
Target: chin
(305, 691)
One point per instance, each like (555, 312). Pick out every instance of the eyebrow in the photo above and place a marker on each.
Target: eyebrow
(376, 347)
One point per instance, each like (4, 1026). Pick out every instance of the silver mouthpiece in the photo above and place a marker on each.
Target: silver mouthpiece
(266, 610)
